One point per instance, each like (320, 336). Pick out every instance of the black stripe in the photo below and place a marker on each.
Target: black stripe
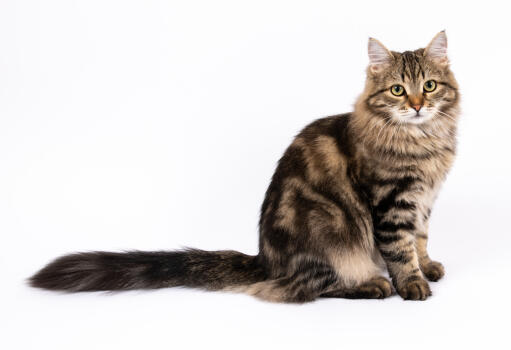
(391, 153)
(447, 84)
(412, 278)
(401, 204)
(387, 239)
(397, 257)
(428, 214)
(404, 66)
(393, 227)
(392, 181)
(390, 201)
(307, 279)
(377, 93)
(351, 223)
(327, 282)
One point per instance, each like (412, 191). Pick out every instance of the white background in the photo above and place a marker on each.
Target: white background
(157, 124)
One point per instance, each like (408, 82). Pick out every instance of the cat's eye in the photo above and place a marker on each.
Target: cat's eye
(430, 86)
(397, 90)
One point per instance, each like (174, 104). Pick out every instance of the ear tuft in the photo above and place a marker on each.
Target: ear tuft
(437, 49)
(379, 56)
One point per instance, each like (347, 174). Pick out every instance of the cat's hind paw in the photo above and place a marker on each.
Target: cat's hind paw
(433, 271)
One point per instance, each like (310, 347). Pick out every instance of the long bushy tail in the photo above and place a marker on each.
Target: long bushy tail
(103, 271)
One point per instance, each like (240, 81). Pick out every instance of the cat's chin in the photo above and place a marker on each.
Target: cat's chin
(413, 117)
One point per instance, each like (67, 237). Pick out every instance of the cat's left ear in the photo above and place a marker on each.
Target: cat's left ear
(379, 56)
(437, 49)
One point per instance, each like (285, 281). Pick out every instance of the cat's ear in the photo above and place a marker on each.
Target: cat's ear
(437, 49)
(379, 56)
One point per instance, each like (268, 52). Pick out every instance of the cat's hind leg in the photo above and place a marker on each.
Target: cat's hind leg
(376, 288)
(306, 280)
(360, 272)
(310, 278)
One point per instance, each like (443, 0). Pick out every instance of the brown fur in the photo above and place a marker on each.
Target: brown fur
(350, 198)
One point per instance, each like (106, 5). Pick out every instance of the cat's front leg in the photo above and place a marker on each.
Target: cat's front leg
(397, 249)
(433, 270)
(395, 237)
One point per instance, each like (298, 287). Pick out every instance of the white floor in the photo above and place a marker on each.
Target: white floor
(469, 306)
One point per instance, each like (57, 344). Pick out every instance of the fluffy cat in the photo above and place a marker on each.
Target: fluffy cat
(349, 200)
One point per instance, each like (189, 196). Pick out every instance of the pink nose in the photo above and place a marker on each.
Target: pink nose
(417, 107)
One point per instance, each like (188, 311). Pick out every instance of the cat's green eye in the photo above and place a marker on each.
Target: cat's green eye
(397, 90)
(430, 86)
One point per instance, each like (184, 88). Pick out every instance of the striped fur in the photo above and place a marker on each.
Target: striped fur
(350, 199)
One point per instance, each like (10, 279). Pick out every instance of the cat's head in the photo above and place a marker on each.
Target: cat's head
(412, 87)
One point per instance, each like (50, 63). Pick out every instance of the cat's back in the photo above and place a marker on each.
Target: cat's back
(321, 150)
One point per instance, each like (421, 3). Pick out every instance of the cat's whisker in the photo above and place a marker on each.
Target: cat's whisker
(445, 114)
(384, 126)
(395, 133)
(369, 131)
(441, 127)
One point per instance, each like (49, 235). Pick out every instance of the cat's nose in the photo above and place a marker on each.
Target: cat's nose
(416, 102)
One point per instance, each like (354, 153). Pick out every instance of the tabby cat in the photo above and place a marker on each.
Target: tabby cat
(350, 200)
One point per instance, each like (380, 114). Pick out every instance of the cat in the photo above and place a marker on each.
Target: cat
(349, 201)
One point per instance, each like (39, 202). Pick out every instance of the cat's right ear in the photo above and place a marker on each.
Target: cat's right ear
(379, 56)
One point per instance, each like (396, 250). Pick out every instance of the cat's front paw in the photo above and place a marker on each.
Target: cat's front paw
(415, 289)
(433, 271)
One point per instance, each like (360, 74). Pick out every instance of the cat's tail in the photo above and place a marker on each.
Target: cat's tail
(104, 271)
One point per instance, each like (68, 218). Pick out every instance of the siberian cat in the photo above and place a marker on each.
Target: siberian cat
(349, 200)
